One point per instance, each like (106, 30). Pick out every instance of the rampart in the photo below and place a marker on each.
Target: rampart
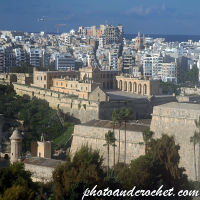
(83, 110)
(95, 137)
(178, 119)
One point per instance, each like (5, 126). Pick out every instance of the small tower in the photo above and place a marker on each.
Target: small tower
(16, 146)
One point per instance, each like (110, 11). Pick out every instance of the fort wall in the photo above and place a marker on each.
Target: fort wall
(95, 137)
(40, 173)
(178, 119)
(83, 110)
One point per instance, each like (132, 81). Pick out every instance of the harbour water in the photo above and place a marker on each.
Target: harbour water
(4, 162)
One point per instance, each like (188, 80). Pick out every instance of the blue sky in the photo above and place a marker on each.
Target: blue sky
(181, 17)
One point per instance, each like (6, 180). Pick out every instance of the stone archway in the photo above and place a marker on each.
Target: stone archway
(144, 89)
(130, 87)
(120, 84)
(125, 86)
(135, 87)
(139, 89)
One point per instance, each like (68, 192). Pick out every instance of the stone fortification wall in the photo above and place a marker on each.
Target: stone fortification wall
(40, 173)
(178, 119)
(159, 100)
(188, 98)
(85, 110)
(141, 108)
(190, 91)
(95, 137)
(81, 110)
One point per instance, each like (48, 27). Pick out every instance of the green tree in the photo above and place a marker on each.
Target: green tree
(127, 118)
(167, 151)
(24, 68)
(110, 141)
(75, 192)
(18, 192)
(114, 118)
(16, 176)
(156, 168)
(120, 118)
(194, 140)
(147, 136)
(86, 165)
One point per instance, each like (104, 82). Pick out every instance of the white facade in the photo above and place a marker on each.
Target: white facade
(35, 55)
(152, 66)
(113, 59)
(169, 72)
(64, 62)
(20, 56)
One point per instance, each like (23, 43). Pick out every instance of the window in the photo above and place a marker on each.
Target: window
(81, 88)
(66, 85)
(71, 85)
(86, 88)
(56, 83)
(37, 77)
(41, 78)
(98, 95)
(76, 86)
(45, 78)
(61, 84)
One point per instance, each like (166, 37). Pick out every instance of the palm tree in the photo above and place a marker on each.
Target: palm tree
(127, 118)
(194, 140)
(119, 119)
(147, 136)
(110, 140)
(114, 118)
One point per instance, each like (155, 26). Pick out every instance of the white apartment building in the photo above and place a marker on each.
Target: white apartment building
(169, 72)
(20, 56)
(90, 58)
(113, 59)
(63, 62)
(35, 55)
(102, 40)
(152, 66)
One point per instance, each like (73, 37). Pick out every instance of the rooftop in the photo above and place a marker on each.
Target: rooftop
(46, 162)
(137, 126)
(183, 106)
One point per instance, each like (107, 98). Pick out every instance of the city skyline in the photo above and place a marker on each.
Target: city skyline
(149, 17)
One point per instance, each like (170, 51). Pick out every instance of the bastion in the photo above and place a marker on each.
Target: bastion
(178, 119)
(93, 134)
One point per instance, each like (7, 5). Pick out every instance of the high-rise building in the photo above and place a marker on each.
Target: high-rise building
(20, 56)
(64, 62)
(152, 66)
(35, 57)
(113, 59)
(9, 60)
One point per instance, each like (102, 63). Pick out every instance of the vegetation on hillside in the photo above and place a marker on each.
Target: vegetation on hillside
(38, 117)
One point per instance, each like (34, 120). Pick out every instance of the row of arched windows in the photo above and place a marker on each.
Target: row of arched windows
(131, 87)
